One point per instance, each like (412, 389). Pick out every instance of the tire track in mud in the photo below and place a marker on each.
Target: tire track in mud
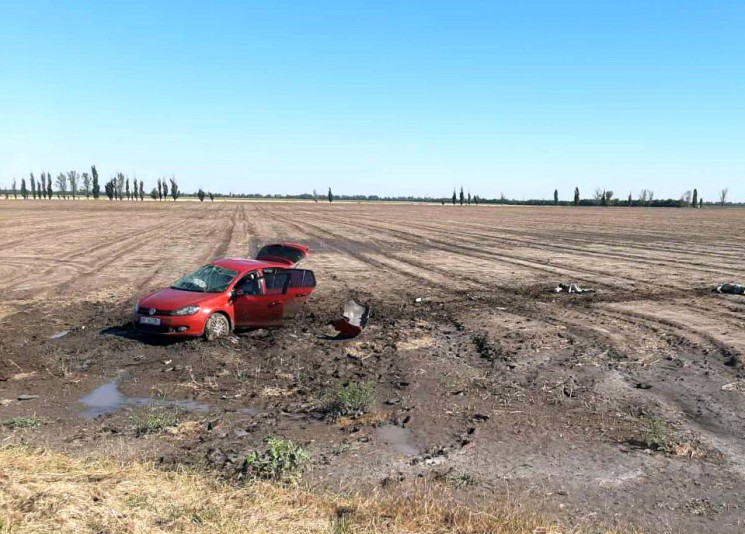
(475, 252)
(580, 330)
(321, 235)
(585, 323)
(252, 232)
(203, 258)
(674, 327)
(219, 250)
(34, 237)
(492, 238)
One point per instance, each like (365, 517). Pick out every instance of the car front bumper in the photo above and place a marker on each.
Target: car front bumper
(188, 325)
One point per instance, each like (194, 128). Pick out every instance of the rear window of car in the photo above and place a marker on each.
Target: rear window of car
(280, 251)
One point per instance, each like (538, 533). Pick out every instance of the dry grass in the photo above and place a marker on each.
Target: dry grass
(44, 492)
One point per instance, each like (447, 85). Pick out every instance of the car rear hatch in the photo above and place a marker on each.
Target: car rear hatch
(289, 254)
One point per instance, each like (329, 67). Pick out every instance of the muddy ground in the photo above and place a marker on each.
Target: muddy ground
(620, 406)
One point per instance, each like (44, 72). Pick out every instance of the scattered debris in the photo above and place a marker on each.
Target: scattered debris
(27, 397)
(59, 334)
(732, 289)
(354, 320)
(418, 300)
(571, 288)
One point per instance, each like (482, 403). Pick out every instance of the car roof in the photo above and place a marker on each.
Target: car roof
(244, 264)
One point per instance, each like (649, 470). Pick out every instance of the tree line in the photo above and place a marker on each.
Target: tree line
(75, 185)
(120, 187)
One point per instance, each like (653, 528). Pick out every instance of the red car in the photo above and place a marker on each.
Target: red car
(230, 293)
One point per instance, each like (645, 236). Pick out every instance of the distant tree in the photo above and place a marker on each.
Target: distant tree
(685, 199)
(603, 198)
(331, 196)
(701, 202)
(200, 195)
(212, 197)
(455, 197)
(723, 196)
(24, 191)
(461, 195)
(72, 177)
(556, 197)
(315, 196)
(576, 196)
(49, 185)
(41, 191)
(174, 189)
(110, 188)
(630, 201)
(608, 197)
(142, 191)
(154, 194)
(61, 185)
(160, 190)
(87, 184)
(15, 190)
(694, 201)
(119, 186)
(468, 199)
(96, 186)
(33, 186)
(646, 196)
(126, 189)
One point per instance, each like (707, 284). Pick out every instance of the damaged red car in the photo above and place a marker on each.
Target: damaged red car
(229, 294)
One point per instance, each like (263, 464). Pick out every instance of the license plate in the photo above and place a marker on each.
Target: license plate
(149, 320)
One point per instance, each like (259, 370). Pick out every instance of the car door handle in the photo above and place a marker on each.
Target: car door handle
(273, 304)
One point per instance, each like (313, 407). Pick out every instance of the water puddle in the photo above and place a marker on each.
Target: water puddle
(108, 399)
(401, 439)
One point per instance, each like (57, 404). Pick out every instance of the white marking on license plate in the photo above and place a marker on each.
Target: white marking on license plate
(149, 320)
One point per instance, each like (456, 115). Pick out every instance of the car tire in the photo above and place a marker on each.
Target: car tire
(217, 326)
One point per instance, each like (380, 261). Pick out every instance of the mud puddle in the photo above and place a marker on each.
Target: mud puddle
(107, 399)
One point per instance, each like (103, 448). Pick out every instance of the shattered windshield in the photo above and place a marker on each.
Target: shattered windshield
(208, 279)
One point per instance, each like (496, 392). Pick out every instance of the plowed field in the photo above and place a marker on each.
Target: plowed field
(624, 405)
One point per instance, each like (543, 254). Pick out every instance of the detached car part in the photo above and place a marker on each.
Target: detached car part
(353, 321)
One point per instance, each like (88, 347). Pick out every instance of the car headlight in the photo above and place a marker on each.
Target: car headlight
(188, 310)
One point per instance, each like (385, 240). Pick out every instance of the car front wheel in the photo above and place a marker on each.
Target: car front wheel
(216, 326)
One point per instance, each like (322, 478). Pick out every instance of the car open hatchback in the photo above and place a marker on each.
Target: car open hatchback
(230, 293)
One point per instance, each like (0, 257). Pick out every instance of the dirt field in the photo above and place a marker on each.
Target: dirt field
(620, 406)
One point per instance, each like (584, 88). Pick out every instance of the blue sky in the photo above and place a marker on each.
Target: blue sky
(379, 97)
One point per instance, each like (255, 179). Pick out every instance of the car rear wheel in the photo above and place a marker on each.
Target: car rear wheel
(216, 326)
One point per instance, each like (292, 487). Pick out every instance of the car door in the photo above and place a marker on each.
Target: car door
(258, 303)
(301, 284)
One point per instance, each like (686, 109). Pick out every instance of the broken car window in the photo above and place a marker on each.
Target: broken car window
(208, 279)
